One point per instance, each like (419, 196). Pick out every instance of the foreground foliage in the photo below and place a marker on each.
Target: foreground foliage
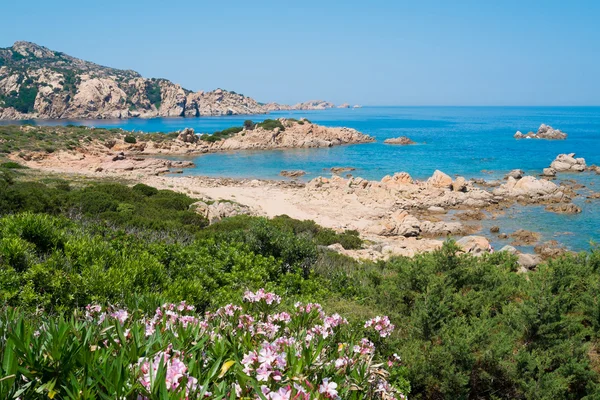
(466, 327)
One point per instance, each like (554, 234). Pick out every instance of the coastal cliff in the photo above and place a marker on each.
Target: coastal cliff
(36, 82)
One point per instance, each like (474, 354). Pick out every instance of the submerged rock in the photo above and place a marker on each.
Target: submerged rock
(403, 140)
(524, 237)
(292, 174)
(568, 208)
(340, 170)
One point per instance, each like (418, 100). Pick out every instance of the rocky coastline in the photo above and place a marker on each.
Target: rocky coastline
(397, 215)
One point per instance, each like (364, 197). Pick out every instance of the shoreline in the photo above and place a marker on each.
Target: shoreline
(396, 216)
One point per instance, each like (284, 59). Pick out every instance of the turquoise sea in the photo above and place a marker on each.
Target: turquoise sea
(468, 141)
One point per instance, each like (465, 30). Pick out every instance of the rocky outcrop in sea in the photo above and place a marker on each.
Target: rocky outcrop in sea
(543, 132)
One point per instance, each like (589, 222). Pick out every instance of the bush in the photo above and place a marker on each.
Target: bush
(248, 124)
(12, 165)
(145, 189)
(130, 139)
(220, 135)
(176, 353)
(271, 124)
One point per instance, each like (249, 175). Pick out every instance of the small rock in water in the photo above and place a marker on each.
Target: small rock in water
(292, 174)
(515, 173)
(339, 170)
(495, 229)
(403, 140)
(549, 172)
(525, 237)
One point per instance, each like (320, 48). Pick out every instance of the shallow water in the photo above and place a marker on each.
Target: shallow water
(467, 141)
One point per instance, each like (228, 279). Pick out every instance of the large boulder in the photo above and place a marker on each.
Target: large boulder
(476, 245)
(188, 136)
(405, 224)
(530, 187)
(549, 172)
(219, 209)
(568, 163)
(398, 179)
(459, 184)
(400, 223)
(440, 180)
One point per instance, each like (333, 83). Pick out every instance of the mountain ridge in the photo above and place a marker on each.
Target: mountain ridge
(40, 83)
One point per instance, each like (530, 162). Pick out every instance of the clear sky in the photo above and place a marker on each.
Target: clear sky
(371, 52)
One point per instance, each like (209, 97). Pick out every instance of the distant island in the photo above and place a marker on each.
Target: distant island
(39, 83)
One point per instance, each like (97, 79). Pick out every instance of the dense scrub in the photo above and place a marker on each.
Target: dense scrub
(466, 327)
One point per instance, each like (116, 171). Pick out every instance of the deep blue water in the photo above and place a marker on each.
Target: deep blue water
(468, 141)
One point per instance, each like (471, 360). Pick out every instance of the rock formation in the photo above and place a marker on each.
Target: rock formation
(568, 163)
(217, 210)
(530, 189)
(403, 140)
(544, 132)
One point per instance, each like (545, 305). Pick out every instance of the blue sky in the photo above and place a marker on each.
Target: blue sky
(377, 52)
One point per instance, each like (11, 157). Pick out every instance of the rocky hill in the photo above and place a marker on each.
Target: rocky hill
(36, 82)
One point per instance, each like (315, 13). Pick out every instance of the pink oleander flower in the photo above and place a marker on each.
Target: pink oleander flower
(120, 315)
(366, 347)
(381, 324)
(329, 389)
(268, 298)
(281, 394)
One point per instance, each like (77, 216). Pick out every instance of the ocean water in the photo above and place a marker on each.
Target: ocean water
(475, 142)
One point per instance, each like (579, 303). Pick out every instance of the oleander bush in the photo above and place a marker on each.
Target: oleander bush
(248, 351)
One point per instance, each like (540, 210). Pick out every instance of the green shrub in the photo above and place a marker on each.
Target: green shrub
(12, 165)
(271, 124)
(145, 189)
(130, 139)
(153, 92)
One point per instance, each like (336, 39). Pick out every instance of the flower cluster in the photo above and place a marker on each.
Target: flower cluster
(176, 372)
(301, 354)
(382, 325)
(261, 295)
